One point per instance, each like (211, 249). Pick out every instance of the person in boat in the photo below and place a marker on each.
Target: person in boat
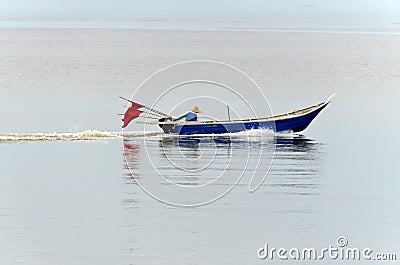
(190, 116)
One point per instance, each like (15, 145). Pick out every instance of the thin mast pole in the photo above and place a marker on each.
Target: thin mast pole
(150, 109)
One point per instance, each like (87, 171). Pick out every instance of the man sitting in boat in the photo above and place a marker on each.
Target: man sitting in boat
(190, 116)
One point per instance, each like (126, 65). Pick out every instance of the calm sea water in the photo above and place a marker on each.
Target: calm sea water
(69, 201)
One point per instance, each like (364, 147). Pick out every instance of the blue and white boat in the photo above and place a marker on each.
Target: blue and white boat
(294, 121)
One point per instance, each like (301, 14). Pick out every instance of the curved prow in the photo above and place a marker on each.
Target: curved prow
(331, 97)
(299, 120)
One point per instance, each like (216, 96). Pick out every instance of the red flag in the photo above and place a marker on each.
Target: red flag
(136, 105)
(131, 113)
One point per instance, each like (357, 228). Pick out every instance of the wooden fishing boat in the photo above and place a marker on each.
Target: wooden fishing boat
(294, 121)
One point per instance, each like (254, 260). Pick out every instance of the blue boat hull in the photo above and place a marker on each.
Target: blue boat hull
(296, 121)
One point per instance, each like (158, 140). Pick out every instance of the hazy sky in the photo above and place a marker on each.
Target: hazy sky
(129, 8)
(270, 13)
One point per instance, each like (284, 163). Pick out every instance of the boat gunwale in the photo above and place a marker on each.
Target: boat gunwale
(288, 115)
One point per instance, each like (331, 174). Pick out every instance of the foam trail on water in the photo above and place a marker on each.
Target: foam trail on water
(70, 136)
(103, 135)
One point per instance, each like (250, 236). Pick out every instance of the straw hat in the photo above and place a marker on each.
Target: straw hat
(196, 110)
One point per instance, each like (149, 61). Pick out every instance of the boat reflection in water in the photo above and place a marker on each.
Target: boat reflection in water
(195, 161)
(297, 166)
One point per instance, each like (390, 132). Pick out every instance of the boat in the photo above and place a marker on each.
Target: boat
(295, 121)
